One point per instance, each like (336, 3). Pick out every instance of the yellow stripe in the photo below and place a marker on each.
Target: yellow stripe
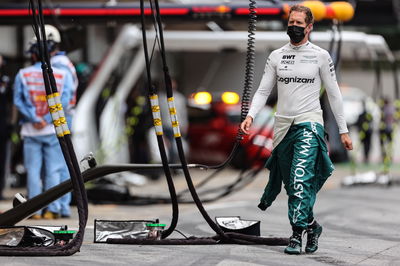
(177, 135)
(60, 135)
(63, 120)
(53, 95)
(172, 111)
(171, 99)
(154, 97)
(155, 108)
(57, 122)
(175, 124)
(159, 133)
(67, 132)
(53, 108)
(41, 98)
(59, 106)
(157, 122)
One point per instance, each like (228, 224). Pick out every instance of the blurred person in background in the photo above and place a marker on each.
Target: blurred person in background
(365, 129)
(5, 126)
(386, 128)
(299, 159)
(40, 144)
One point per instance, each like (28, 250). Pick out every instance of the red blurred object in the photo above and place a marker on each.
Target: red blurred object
(212, 135)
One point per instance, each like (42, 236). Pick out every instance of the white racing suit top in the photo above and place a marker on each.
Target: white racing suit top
(299, 72)
(283, 123)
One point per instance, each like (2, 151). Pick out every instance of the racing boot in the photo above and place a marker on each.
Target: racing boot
(313, 233)
(294, 247)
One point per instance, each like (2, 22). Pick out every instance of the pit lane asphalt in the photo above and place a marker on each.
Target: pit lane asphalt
(361, 227)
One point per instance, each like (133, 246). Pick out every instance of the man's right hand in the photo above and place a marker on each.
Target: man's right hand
(246, 124)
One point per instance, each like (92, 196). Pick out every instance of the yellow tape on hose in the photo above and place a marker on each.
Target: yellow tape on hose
(174, 117)
(155, 108)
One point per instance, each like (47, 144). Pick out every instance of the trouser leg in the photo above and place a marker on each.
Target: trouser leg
(33, 159)
(367, 145)
(66, 199)
(301, 189)
(54, 165)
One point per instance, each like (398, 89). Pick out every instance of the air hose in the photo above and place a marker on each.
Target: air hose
(250, 62)
(222, 236)
(248, 80)
(63, 134)
(159, 131)
(242, 176)
(175, 122)
(231, 238)
(339, 47)
(246, 94)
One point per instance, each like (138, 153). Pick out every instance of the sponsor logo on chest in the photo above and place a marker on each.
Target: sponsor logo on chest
(288, 59)
(285, 68)
(296, 79)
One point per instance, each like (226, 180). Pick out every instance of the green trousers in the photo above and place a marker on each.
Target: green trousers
(301, 162)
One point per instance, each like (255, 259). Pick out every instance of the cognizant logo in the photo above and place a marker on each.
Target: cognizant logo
(287, 80)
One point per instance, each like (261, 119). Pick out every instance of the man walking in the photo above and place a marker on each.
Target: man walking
(299, 158)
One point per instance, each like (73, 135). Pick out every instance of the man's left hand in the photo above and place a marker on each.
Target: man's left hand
(346, 140)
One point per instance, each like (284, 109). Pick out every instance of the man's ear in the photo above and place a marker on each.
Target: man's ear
(310, 27)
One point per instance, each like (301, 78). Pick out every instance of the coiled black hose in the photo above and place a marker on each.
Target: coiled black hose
(250, 62)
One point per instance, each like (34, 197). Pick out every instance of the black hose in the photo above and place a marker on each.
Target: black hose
(23, 210)
(396, 80)
(233, 237)
(68, 151)
(248, 80)
(339, 47)
(229, 188)
(160, 141)
(66, 147)
(178, 138)
(249, 77)
(250, 61)
(222, 237)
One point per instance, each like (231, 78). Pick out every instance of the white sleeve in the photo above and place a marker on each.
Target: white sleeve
(268, 81)
(328, 78)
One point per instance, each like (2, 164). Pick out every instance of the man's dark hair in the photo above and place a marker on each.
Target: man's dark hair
(305, 10)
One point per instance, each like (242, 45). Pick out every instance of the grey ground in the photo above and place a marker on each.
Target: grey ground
(361, 227)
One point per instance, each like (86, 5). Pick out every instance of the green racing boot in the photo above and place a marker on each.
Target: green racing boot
(312, 238)
(294, 247)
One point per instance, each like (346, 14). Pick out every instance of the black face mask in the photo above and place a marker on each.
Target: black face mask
(296, 33)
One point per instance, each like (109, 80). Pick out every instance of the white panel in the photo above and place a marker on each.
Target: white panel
(8, 40)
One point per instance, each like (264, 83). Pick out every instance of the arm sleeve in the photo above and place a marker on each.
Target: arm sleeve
(67, 90)
(268, 81)
(23, 102)
(328, 78)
